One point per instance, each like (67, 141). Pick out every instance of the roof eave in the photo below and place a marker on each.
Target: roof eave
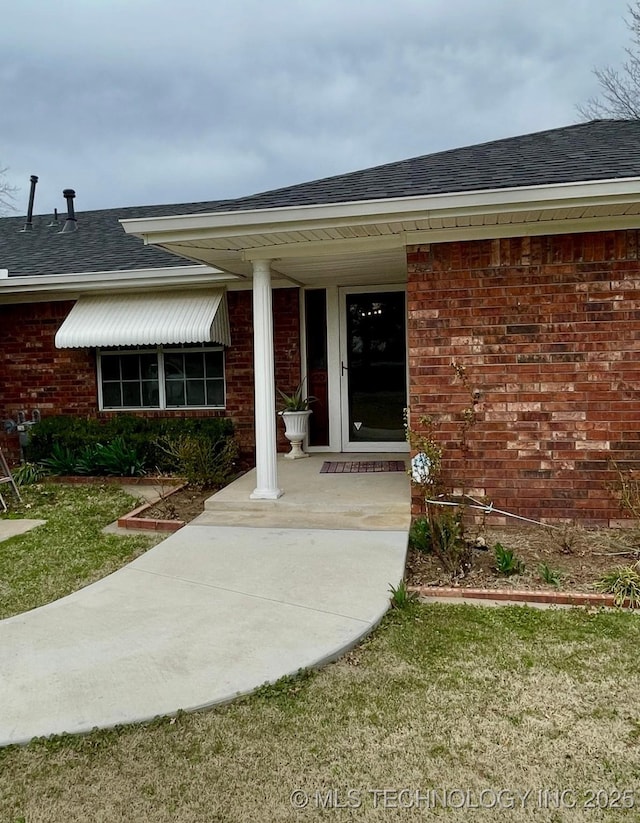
(157, 230)
(70, 286)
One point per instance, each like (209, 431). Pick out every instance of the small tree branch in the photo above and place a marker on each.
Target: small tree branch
(7, 194)
(619, 89)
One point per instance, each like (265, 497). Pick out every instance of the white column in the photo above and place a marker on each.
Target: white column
(264, 381)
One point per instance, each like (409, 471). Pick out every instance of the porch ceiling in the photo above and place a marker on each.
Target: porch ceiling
(366, 241)
(373, 265)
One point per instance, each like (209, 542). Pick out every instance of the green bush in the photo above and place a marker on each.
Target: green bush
(123, 444)
(202, 460)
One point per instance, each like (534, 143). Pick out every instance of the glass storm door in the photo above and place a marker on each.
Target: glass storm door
(373, 370)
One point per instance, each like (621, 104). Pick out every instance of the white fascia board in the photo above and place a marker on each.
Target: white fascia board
(485, 201)
(84, 282)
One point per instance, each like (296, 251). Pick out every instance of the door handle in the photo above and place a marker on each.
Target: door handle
(344, 368)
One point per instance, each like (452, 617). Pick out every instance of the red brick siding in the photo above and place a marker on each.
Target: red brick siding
(34, 374)
(547, 331)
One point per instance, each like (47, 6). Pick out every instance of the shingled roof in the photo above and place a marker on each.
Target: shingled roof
(598, 150)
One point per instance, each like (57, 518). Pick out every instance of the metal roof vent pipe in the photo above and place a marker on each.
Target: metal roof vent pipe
(70, 224)
(28, 226)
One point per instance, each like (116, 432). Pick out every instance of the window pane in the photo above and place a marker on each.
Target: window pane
(130, 364)
(111, 395)
(149, 366)
(110, 366)
(175, 392)
(215, 392)
(173, 366)
(195, 393)
(214, 361)
(131, 394)
(194, 365)
(150, 393)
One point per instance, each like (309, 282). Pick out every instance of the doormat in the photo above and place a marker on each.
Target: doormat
(362, 466)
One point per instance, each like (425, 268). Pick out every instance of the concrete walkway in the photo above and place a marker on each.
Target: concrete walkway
(247, 593)
(12, 528)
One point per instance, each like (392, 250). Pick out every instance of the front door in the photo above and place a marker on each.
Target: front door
(373, 369)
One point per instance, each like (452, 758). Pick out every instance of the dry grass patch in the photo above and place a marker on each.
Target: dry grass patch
(440, 697)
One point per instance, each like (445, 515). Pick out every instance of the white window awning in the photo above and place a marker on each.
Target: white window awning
(146, 320)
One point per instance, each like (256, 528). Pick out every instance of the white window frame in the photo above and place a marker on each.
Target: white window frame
(162, 398)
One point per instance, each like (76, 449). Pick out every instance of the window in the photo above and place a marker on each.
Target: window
(175, 377)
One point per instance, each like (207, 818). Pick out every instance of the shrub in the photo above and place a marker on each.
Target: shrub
(120, 444)
(203, 461)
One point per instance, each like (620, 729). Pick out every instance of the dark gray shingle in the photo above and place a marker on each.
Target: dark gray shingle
(599, 150)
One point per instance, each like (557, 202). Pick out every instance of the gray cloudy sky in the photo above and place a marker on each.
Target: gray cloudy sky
(133, 102)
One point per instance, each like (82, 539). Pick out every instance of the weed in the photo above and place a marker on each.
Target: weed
(420, 535)
(623, 583)
(552, 577)
(291, 685)
(568, 537)
(507, 562)
(401, 597)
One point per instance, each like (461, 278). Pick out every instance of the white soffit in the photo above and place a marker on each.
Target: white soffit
(143, 320)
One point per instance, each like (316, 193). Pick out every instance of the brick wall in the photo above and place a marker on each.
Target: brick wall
(547, 331)
(36, 375)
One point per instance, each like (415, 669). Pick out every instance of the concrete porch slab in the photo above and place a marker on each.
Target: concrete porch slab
(380, 500)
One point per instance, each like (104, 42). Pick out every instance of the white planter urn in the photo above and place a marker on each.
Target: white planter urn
(296, 425)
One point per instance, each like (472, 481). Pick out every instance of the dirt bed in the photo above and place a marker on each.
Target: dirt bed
(581, 556)
(184, 505)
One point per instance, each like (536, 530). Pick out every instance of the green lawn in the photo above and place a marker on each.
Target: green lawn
(68, 552)
(449, 698)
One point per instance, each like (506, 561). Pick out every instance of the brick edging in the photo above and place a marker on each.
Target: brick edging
(519, 596)
(135, 519)
(90, 480)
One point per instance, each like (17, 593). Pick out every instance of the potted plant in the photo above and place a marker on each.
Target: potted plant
(295, 414)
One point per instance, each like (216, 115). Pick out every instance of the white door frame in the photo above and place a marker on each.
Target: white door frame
(342, 375)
